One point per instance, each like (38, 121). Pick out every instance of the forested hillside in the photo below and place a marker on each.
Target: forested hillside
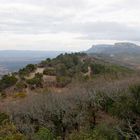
(70, 97)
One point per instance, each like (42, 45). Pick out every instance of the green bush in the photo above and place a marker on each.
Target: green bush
(100, 132)
(36, 81)
(9, 132)
(135, 97)
(49, 71)
(61, 70)
(62, 81)
(13, 137)
(98, 68)
(44, 134)
(20, 86)
(7, 81)
(3, 117)
(27, 70)
(135, 91)
(45, 63)
(84, 67)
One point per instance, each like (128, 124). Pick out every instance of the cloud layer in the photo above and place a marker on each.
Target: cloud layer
(67, 25)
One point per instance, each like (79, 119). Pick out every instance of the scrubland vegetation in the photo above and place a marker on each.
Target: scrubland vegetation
(98, 101)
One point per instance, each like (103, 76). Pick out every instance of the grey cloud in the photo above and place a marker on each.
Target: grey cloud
(111, 31)
(101, 30)
(63, 20)
(53, 3)
(88, 30)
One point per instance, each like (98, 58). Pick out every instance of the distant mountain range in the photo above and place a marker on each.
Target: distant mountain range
(13, 60)
(127, 54)
(115, 49)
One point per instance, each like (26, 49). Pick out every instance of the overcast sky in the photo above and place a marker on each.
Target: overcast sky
(67, 24)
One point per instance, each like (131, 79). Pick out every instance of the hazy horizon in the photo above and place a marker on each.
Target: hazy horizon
(61, 25)
(70, 51)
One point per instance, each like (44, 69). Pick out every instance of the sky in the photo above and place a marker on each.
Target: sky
(67, 25)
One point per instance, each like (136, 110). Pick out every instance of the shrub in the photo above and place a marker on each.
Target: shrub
(61, 70)
(84, 68)
(20, 95)
(135, 90)
(135, 93)
(3, 117)
(13, 137)
(7, 81)
(49, 71)
(20, 86)
(36, 81)
(30, 67)
(9, 132)
(44, 134)
(98, 68)
(62, 81)
(27, 70)
(100, 132)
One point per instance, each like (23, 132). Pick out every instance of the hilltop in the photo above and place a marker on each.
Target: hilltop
(59, 72)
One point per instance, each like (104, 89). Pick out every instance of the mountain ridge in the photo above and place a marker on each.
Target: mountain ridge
(116, 48)
(123, 53)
